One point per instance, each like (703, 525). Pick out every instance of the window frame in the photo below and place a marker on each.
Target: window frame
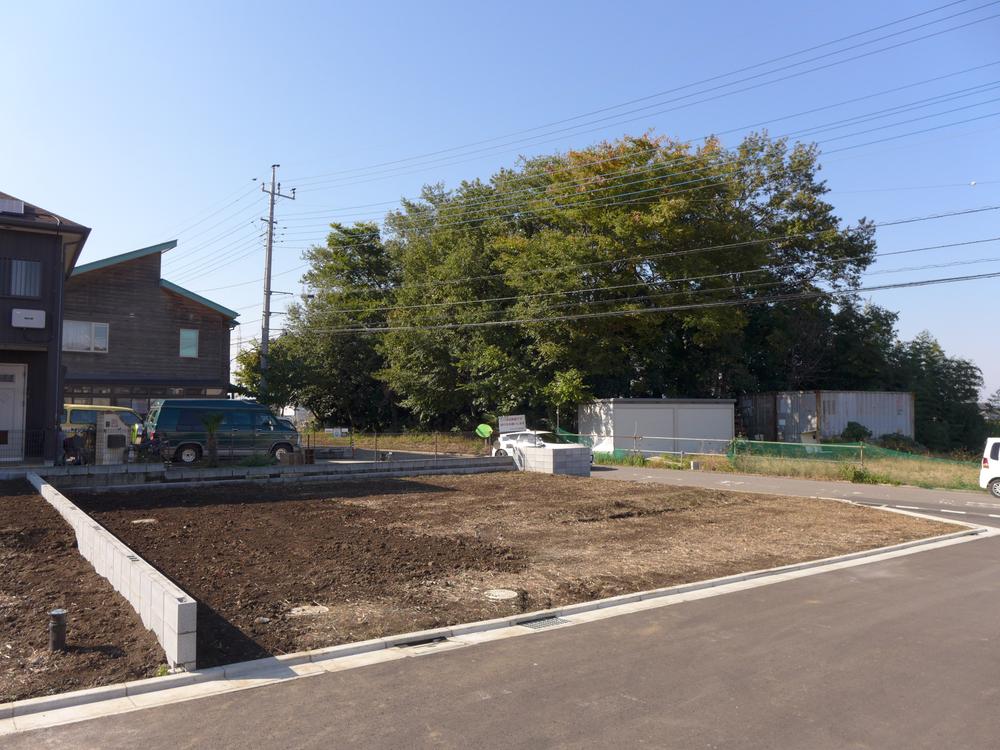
(93, 337)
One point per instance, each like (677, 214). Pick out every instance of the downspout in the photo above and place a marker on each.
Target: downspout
(56, 338)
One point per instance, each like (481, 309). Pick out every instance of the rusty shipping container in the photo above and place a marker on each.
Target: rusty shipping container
(784, 415)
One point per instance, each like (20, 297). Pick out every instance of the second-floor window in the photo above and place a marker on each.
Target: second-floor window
(83, 336)
(189, 342)
(20, 278)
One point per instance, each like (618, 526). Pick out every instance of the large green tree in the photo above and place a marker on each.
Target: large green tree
(315, 365)
(643, 267)
(618, 227)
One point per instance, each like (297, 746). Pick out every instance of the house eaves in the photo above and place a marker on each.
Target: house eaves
(125, 257)
(31, 218)
(172, 287)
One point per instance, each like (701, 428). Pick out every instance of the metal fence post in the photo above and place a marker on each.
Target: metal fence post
(862, 454)
(376, 445)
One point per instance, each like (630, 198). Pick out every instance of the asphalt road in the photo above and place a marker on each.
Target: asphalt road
(973, 507)
(898, 654)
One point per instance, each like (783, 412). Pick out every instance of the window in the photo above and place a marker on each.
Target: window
(265, 422)
(20, 278)
(81, 336)
(237, 420)
(25, 278)
(83, 416)
(995, 451)
(189, 342)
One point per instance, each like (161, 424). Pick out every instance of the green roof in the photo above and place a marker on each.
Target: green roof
(125, 257)
(172, 287)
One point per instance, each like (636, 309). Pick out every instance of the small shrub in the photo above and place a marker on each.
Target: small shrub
(855, 432)
(896, 442)
(863, 475)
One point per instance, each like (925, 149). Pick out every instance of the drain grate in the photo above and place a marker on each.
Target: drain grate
(543, 622)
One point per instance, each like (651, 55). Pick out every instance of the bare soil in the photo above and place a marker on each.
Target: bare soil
(40, 570)
(388, 556)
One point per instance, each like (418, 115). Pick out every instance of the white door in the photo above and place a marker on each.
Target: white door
(12, 398)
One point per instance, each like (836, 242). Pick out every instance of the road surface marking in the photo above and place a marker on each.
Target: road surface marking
(957, 512)
(993, 515)
(907, 507)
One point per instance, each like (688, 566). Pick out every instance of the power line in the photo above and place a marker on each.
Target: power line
(960, 212)
(615, 287)
(689, 85)
(577, 165)
(596, 203)
(663, 309)
(562, 134)
(490, 205)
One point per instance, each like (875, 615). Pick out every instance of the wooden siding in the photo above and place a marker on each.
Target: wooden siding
(28, 246)
(144, 329)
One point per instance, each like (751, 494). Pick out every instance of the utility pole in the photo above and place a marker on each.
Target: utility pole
(265, 323)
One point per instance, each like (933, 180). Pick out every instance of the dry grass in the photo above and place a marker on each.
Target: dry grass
(919, 472)
(419, 442)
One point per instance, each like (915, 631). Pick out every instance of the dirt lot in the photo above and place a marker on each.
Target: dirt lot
(391, 556)
(40, 570)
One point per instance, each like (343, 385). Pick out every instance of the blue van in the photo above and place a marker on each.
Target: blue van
(246, 428)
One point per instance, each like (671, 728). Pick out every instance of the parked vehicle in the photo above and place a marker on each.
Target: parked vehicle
(76, 419)
(989, 474)
(508, 441)
(246, 428)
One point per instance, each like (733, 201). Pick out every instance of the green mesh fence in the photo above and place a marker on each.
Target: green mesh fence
(858, 453)
(847, 452)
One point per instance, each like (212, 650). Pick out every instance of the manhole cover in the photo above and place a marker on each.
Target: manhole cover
(499, 595)
(308, 609)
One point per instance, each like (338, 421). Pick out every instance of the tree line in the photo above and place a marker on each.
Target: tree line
(643, 267)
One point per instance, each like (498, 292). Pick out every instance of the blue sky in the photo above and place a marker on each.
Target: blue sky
(149, 122)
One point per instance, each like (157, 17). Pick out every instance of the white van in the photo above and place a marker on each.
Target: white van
(989, 474)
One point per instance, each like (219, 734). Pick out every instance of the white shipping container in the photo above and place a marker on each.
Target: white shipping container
(658, 425)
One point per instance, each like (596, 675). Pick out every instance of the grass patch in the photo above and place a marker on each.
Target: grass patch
(917, 471)
(629, 459)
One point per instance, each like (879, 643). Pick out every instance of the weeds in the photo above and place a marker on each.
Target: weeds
(612, 459)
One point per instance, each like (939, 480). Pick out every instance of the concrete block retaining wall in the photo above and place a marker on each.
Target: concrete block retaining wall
(131, 475)
(164, 608)
(569, 459)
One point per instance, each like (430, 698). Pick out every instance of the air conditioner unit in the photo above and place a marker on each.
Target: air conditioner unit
(27, 318)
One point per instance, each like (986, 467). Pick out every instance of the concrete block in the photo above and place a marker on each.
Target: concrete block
(156, 612)
(146, 602)
(180, 648)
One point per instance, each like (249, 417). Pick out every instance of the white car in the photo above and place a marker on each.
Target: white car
(529, 439)
(989, 474)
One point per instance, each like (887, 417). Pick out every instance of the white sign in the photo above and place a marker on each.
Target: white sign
(512, 423)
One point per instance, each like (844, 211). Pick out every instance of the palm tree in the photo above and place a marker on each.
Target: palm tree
(212, 423)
